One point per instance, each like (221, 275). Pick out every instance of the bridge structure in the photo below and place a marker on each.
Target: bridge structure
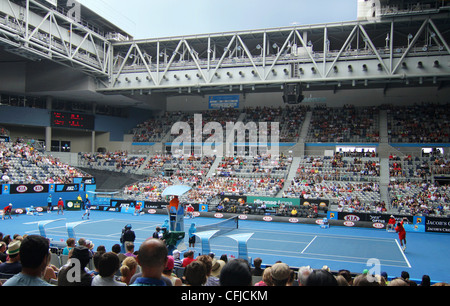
(391, 50)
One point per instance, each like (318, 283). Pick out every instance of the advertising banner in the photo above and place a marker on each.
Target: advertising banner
(437, 225)
(271, 202)
(73, 205)
(28, 188)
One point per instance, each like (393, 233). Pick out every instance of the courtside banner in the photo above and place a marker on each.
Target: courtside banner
(367, 217)
(437, 225)
(271, 202)
(73, 205)
(322, 204)
(28, 188)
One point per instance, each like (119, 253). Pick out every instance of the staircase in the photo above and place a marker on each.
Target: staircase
(292, 172)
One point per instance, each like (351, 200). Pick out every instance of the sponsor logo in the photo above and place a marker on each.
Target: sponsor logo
(219, 216)
(349, 223)
(242, 217)
(352, 218)
(378, 225)
(38, 188)
(267, 218)
(69, 204)
(293, 220)
(151, 211)
(21, 188)
(196, 214)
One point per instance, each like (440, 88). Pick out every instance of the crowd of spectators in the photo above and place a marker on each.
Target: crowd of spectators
(118, 161)
(420, 198)
(419, 123)
(28, 261)
(20, 163)
(346, 124)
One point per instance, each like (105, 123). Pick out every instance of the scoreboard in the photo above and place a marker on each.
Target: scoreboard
(72, 120)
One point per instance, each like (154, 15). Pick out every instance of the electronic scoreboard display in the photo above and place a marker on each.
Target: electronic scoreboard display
(72, 120)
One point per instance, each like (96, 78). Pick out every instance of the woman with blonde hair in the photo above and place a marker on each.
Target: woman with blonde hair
(128, 269)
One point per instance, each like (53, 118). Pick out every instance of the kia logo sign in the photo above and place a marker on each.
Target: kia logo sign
(196, 214)
(21, 188)
(293, 220)
(219, 216)
(349, 223)
(267, 218)
(378, 225)
(38, 188)
(352, 218)
(242, 217)
(152, 211)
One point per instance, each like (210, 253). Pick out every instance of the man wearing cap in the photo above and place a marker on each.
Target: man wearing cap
(280, 274)
(7, 210)
(60, 206)
(34, 256)
(391, 224)
(12, 265)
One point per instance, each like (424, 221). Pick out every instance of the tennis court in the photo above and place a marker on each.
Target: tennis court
(295, 244)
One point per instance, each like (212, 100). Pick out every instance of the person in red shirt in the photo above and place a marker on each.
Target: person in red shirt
(7, 210)
(190, 211)
(391, 224)
(61, 206)
(190, 258)
(401, 234)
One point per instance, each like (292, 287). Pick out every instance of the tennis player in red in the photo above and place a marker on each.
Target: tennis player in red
(401, 234)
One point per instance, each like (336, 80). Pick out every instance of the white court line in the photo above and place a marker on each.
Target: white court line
(403, 253)
(308, 244)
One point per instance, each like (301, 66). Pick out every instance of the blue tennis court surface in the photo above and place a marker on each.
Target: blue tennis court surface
(295, 244)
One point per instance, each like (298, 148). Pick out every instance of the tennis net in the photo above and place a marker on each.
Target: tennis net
(223, 227)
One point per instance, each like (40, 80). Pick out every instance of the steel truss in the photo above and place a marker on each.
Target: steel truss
(400, 49)
(37, 31)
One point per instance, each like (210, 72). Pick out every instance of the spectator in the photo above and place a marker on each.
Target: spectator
(363, 281)
(67, 276)
(128, 269)
(266, 278)
(3, 255)
(152, 258)
(280, 274)
(257, 271)
(207, 261)
(95, 261)
(321, 278)
(129, 246)
(195, 274)
(168, 272)
(70, 245)
(236, 273)
(176, 259)
(108, 265)
(12, 265)
(303, 273)
(34, 256)
(342, 281)
(217, 266)
(188, 258)
(398, 282)
(117, 250)
(425, 281)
